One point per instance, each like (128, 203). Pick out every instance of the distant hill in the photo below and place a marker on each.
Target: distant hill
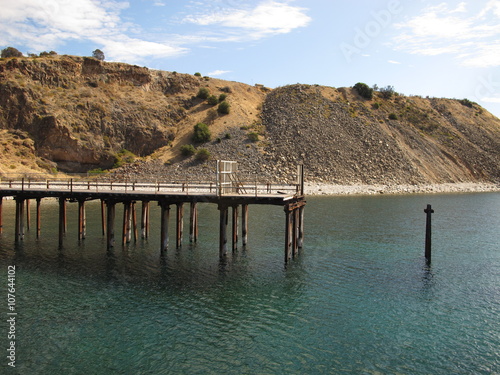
(75, 114)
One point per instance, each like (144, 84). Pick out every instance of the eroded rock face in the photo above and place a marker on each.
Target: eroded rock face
(81, 112)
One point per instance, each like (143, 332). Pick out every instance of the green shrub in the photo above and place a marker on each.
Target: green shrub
(393, 116)
(123, 157)
(212, 100)
(197, 74)
(253, 136)
(387, 92)
(364, 90)
(227, 136)
(203, 154)
(203, 93)
(376, 105)
(223, 108)
(466, 102)
(201, 133)
(222, 97)
(188, 150)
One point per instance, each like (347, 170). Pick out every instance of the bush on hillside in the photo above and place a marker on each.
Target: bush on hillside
(201, 133)
(223, 108)
(212, 100)
(203, 93)
(202, 155)
(364, 90)
(188, 150)
(11, 52)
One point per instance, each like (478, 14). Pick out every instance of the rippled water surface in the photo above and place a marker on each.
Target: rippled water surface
(360, 298)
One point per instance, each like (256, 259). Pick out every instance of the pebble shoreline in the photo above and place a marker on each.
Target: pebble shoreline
(312, 188)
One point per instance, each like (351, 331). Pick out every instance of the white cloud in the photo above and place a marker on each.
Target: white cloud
(473, 39)
(491, 100)
(393, 62)
(45, 25)
(267, 18)
(218, 73)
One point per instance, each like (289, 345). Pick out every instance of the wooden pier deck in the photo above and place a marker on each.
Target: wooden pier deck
(227, 192)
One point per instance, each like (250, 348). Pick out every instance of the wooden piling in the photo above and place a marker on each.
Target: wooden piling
(244, 224)
(81, 219)
(1, 218)
(428, 234)
(134, 221)
(165, 215)
(28, 215)
(235, 228)
(295, 232)
(145, 219)
(223, 209)
(103, 218)
(127, 218)
(38, 217)
(110, 223)
(180, 224)
(193, 222)
(288, 234)
(19, 229)
(62, 219)
(301, 227)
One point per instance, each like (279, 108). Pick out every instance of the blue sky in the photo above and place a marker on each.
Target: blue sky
(435, 48)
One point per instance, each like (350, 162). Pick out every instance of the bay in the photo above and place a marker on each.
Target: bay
(359, 299)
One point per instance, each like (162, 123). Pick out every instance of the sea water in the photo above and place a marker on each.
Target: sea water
(359, 299)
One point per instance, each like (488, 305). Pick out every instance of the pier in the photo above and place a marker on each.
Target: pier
(232, 195)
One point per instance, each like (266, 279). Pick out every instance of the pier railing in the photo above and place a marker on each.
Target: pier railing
(244, 186)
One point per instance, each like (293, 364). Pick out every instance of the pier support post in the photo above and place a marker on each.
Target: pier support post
(428, 235)
(81, 219)
(235, 228)
(223, 209)
(126, 233)
(301, 227)
(110, 223)
(244, 224)
(193, 222)
(180, 225)
(19, 231)
(134, 221)
(1, 218)
(288, 230)
(165, 215)
(28, 215)
(38, 217)
(103, 218)
(62, 219)
(145, 219)
(295, 232)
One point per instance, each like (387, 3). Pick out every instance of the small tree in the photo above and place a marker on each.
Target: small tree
(203, 93)
(98, 54)
(387, 92)
(223, 108)
(212, 100)
(364, 90)
(11, 52)
(201, 133)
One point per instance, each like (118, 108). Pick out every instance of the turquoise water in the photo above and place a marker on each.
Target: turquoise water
(360, 299)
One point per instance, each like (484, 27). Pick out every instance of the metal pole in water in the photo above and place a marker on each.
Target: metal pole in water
(428, 234)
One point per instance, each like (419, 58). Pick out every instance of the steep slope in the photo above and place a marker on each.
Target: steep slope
(341, 137)
(80, 112)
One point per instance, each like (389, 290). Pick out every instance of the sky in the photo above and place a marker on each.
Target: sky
(430, 48)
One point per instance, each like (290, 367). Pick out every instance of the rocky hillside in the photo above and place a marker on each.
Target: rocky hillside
(75, 114)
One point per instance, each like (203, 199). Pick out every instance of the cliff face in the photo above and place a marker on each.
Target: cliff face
(80, 112)
(75, 114)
